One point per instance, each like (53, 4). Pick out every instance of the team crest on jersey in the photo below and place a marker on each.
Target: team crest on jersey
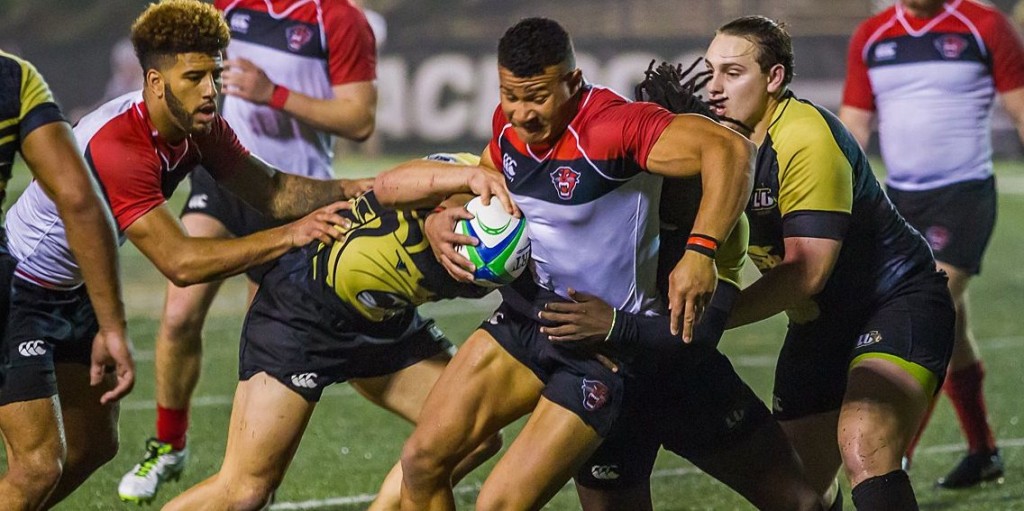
(951, 46)
(565, 180)
(865, 340)
(762, 199)
(595, 394)
(298, 36)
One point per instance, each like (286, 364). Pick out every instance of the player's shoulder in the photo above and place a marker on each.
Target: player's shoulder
(985, 15)
(876, 21)
(801, 126)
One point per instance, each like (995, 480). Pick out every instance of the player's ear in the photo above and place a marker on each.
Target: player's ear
(776, 77)
(575, 80)
(155, 82)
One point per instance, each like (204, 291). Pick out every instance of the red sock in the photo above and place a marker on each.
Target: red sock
(171, 426)
(920, 430)
(964, 388)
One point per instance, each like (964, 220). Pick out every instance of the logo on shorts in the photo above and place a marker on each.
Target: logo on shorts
(938, 237)
(776, 404)
(595, 394)
(951, 46)
(508, 166)
(198, 201)
(734, 418)
(605, 472)
(865, 340)
(496, 318)
(762, 199)
(565, 180)
(298, 36)
(305, 380)
(32, 348)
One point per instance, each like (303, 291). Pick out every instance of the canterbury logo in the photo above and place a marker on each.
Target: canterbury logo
(32, 348)
(198, 202)
(304, 380)
(605, 472)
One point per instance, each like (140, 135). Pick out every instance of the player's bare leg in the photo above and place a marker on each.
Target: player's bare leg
(482, 390)
(635, 498)
(34, 440)
(814, 439)
(545, 454)
(403, 393)
(881, 410)
(90, 428)
(267, 422)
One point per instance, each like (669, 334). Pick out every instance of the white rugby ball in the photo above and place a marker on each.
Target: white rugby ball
(504, 249)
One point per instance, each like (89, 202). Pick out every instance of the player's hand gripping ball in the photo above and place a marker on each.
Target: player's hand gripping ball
(504, 249)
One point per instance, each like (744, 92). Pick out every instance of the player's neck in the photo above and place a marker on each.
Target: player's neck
(761, 128)
(162, 120)
(925, 12)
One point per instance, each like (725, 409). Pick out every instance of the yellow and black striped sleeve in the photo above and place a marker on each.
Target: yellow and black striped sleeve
(25, 104)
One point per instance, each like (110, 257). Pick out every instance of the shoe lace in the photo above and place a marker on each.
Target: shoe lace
(154, 450)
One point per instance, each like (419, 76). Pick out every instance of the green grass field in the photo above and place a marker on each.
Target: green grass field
(350, 444)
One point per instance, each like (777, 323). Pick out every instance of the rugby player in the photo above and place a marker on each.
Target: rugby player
(577, 158)
(871, 320)
(299, 73)
(344, 312)
(40, 424)
(930, 70)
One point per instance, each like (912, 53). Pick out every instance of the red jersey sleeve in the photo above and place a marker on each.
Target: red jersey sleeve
(130, 174)
(498, 122)
(638, 126)
(857, 89)
(351, 47)
(221, 151)
(1006, 52)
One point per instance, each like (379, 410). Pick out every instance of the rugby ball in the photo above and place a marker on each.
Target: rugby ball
(504, 249)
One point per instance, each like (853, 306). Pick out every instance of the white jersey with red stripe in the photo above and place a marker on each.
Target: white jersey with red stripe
(932, 82)
(137, 171)
(308, 46)
(589, 200)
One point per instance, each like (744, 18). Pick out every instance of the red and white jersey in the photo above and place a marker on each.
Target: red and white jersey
(932, 82)
(589, 200)
(307, 46)
(137, 170)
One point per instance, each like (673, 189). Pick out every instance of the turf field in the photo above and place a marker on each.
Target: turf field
(350, 444)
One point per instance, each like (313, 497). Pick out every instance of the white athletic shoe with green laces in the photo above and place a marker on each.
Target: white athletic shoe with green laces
(162, 463)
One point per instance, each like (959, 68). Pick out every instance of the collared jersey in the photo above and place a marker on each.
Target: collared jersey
(932, 82)
(385, 265)
(813, 180)
(25, 104)
(589, 200)
(308, 46)
(137, 170)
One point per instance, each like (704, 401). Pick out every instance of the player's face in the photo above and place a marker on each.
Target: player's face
(738, 88)
(190, 88)
(923, 7)
(539, 107)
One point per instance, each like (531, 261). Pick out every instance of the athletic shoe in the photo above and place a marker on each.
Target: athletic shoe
(162, 463)
(974, 469)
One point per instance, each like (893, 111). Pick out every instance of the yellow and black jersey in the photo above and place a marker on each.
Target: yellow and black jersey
(25, 104)
(813, 180)
(385, 265)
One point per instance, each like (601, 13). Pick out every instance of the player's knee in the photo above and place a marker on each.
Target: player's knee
(426, 463)
(495, 500)
(37, 473)
(250, 494)
(182, 323)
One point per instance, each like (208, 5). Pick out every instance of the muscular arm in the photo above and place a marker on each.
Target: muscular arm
(791, 284)
(283, 196)
(425, 183)
(1013, 102)
(858, 121)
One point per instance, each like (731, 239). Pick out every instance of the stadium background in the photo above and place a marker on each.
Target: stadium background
(438, 87)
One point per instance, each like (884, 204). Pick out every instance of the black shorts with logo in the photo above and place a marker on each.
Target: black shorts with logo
(210, 199)
(573, 380)
(306, 338)
(957, 220)
(915, 324)
(44, 327)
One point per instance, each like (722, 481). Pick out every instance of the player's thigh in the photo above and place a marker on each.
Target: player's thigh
(636, 497)
(90, 427)
(545, 454)
(404, 392)
(267, 422)
(32, 433)
(815, 441)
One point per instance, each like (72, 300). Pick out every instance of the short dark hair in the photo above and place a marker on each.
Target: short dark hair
(532, 45)
(171, 27)
(774, 45)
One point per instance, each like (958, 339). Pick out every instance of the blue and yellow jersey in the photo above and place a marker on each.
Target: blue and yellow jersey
(813, 180)
(25, 104)
(385, 265)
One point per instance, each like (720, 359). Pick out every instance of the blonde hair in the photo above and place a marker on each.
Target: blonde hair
(172, 27)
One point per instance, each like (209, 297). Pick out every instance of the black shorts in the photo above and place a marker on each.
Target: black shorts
(915, 325)
(210, 199)
(573, 380)
(957, 220)
(307, 339)
(45, 326)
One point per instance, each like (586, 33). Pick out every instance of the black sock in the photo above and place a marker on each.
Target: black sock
(837, 505)
(889, 492)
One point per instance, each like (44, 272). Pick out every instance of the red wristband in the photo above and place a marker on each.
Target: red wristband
(279, 97)
(703, 241)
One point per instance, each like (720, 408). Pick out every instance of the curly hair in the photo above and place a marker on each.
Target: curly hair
(532, 45)
(172, 27)
(774, 45)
